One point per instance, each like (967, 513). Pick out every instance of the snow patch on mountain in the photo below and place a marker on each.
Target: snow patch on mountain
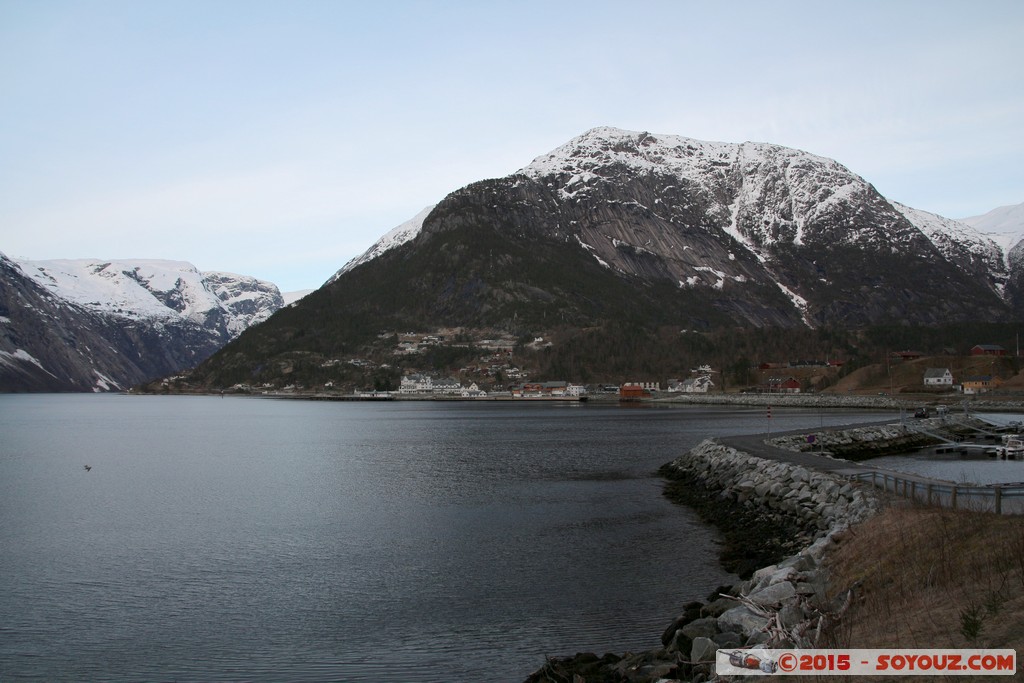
(1003, 225)
(393, 238)
(771, 193)
(960, 243)
(945, 233)
(21, 356)
(592, 251)
(118, 287)
(798, 301)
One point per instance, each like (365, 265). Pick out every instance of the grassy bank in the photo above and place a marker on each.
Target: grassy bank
(931, 578)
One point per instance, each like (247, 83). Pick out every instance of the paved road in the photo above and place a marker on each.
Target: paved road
(971, 497)
(755, 445)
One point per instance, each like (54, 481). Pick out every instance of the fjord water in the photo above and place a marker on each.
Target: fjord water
(269, 540)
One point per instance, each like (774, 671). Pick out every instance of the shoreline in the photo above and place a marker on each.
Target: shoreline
(954, 404)
(780, 519)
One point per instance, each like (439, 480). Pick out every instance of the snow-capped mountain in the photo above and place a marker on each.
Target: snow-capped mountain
(805, 220)
(156, 290)
(619, 230)
(154, 317)
(769, 200)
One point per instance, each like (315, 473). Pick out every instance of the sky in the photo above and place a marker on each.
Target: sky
(280, 139)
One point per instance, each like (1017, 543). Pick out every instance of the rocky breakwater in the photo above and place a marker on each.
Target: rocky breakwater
(859, 443)
(787, 516)
(872, 441)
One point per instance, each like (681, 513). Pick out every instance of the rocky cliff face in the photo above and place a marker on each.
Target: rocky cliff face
(729, 216)
(101, 325)
(752, 234)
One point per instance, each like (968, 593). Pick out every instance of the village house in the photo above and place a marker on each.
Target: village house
(448, 386)
(633, 391)
(987, 350)
(425, 384)
(779, 385)
(940, 377)
(526, 390)
(553, 389)
(693, 385)
(646, 386)
(416, 384)
(576, 390)
(979, 384)
(473, 391)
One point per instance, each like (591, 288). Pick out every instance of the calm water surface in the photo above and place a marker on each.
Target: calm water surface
(959, 468)
(280, 540)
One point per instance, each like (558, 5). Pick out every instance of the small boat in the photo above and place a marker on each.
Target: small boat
(1012, 449)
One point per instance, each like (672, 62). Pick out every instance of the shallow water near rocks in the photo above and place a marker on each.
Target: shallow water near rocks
(265, 540)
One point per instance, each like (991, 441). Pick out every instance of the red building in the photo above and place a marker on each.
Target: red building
(790, 385)
(987, 350)
(633, 392)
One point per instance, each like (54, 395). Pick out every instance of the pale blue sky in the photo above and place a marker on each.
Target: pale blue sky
(279, 139)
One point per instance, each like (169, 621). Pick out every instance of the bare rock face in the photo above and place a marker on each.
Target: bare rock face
(734, 218)
(1015, 280)
(681, 231)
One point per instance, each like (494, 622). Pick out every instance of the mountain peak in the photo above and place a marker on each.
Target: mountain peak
(642, 150)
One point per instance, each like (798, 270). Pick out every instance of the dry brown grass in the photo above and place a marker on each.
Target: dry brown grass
(932, 578)
(898, 377)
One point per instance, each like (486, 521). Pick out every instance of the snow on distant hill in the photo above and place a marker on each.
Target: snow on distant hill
(292, 297)
(1004, 226)
(158, 290)
(960, 243)
(88, 324)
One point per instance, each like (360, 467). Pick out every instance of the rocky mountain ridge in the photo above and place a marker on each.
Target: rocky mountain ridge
(80, 325)
(681, 200)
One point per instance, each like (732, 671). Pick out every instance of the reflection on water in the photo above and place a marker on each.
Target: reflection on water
(227, 539)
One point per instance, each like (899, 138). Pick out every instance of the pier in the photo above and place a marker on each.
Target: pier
(1005, 498)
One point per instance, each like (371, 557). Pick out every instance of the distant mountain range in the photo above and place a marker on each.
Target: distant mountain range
(88, 325)
(615, 229)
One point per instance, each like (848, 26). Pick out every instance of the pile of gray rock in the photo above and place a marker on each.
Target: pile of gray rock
(821, 501)
(783, 605)
(829, 442)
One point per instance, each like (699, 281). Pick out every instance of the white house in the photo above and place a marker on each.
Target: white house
(696, 385)
(575, 390)
(700, 384)
(473, 391)
(938, 377)
(416, 384)
(450, 386)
